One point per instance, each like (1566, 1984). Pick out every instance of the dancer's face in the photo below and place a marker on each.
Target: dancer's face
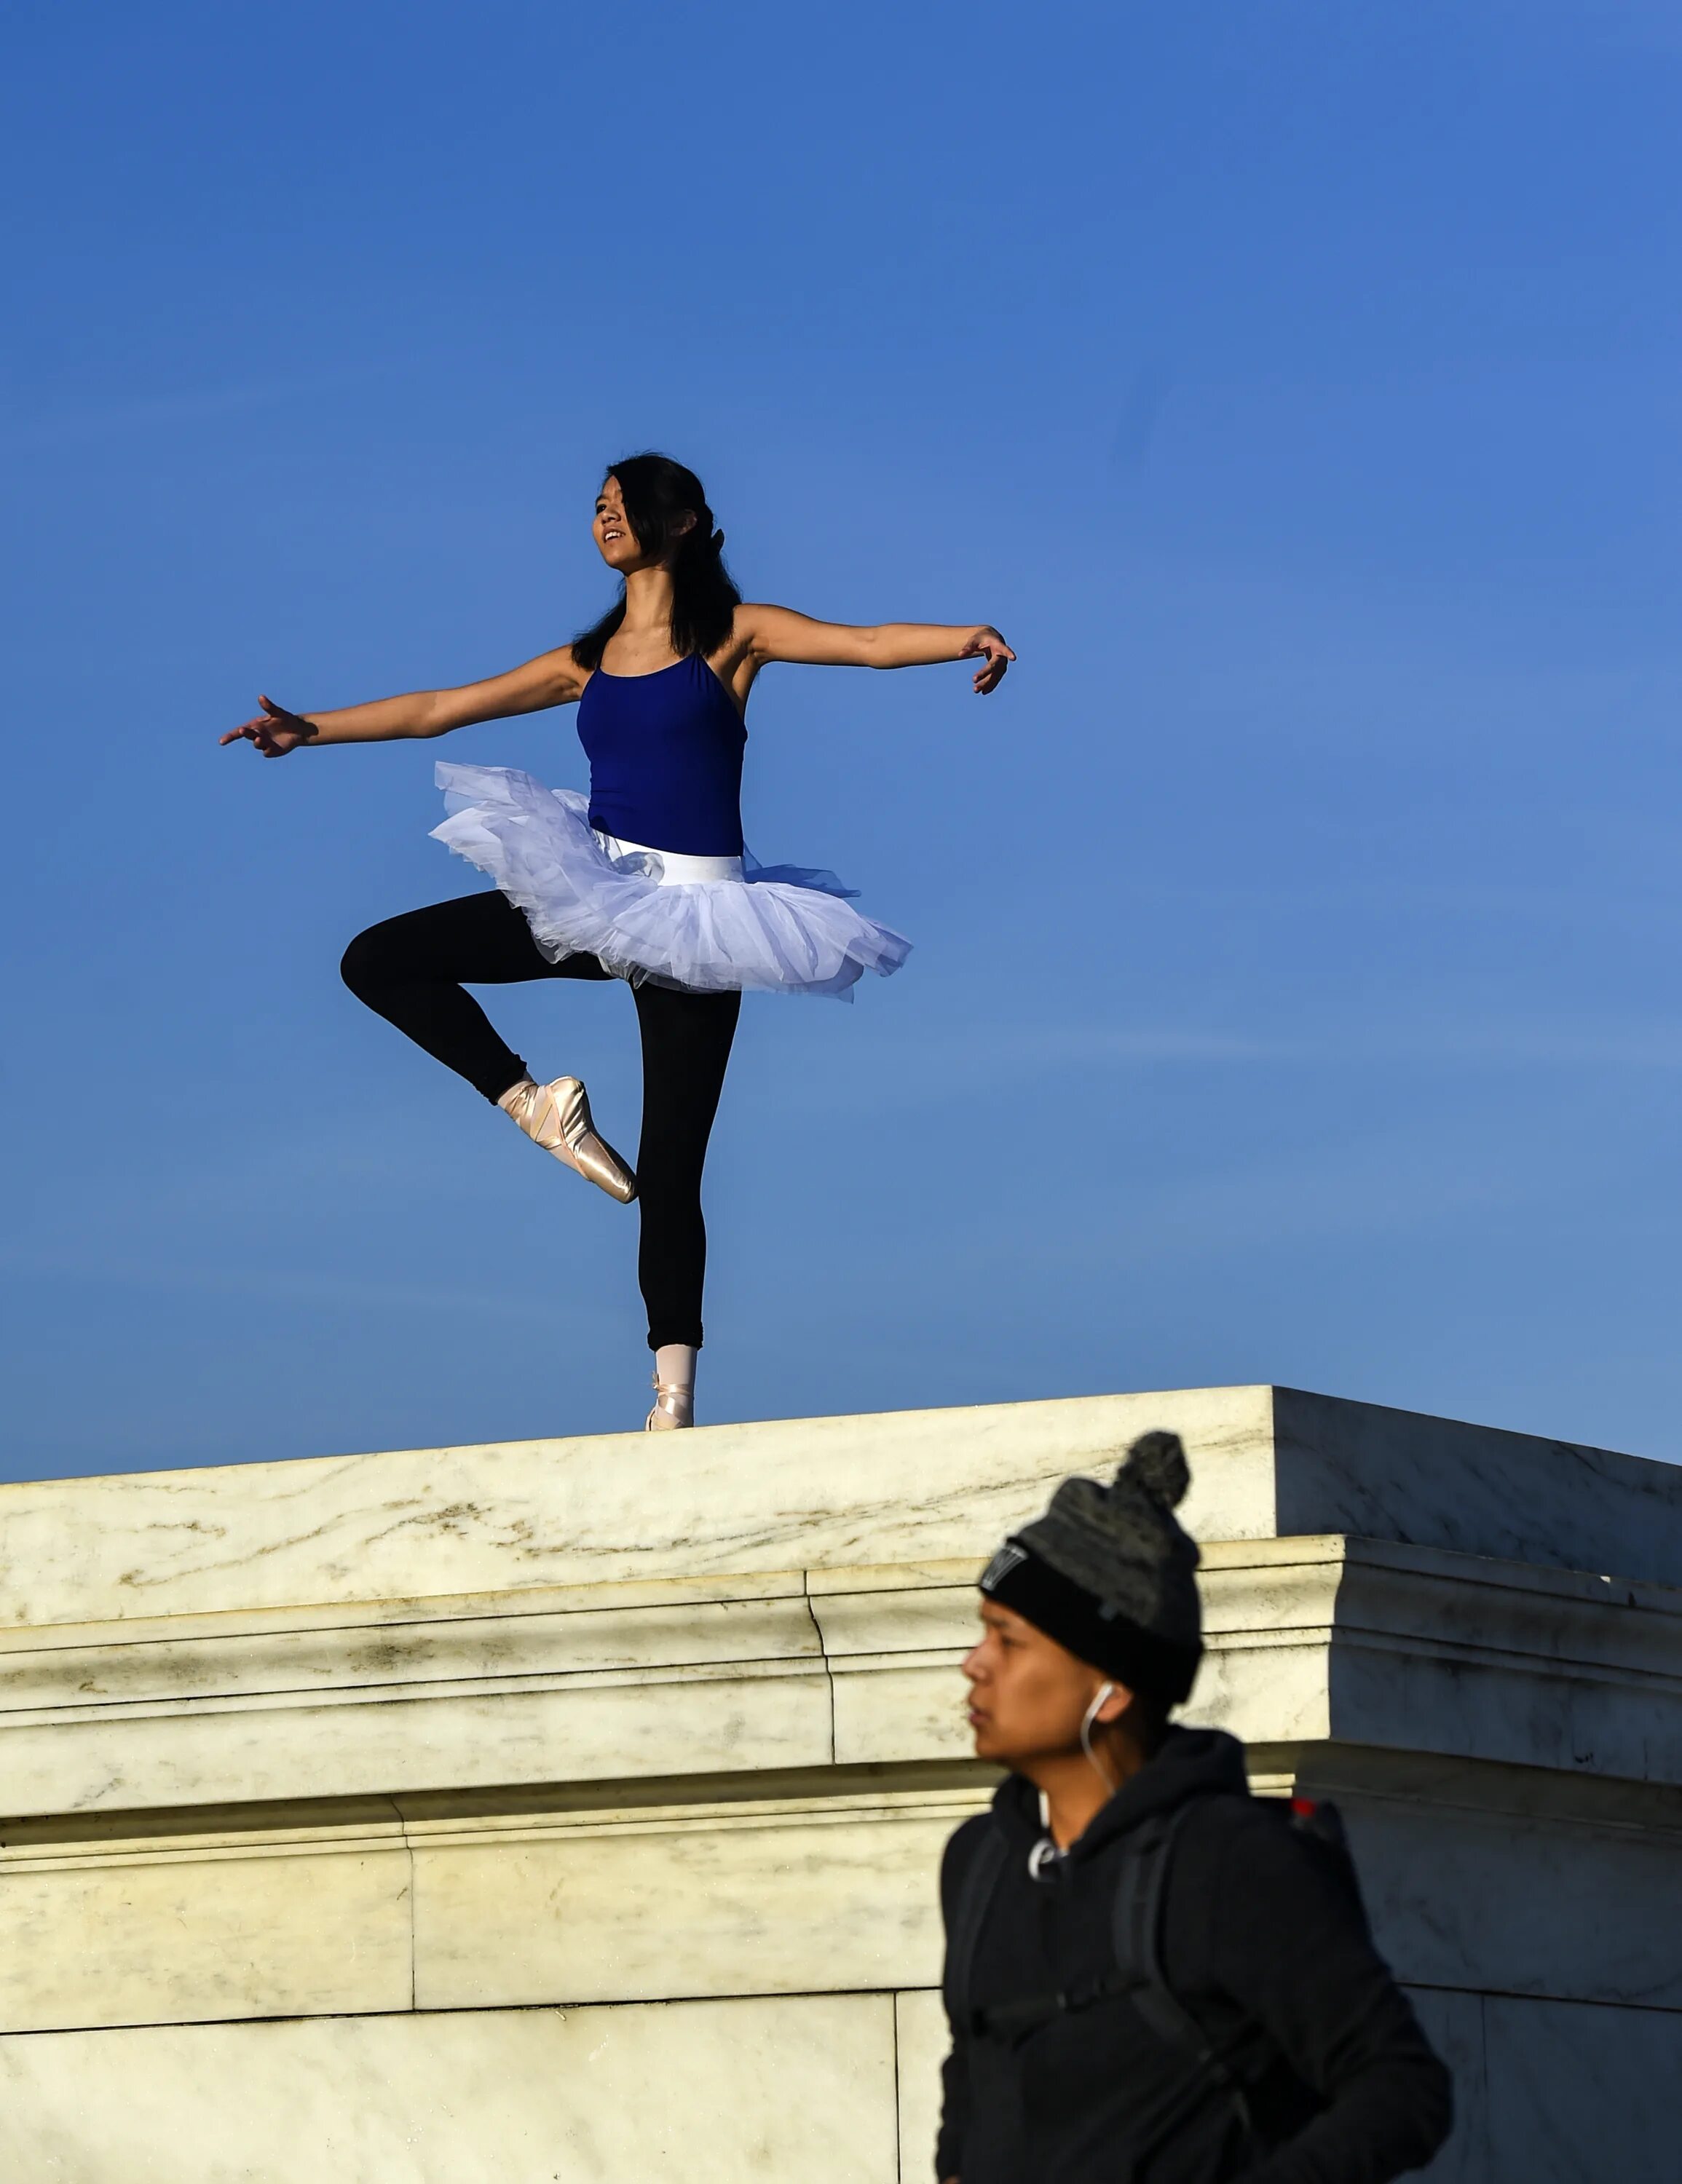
(615, 540)
(1028, 1693)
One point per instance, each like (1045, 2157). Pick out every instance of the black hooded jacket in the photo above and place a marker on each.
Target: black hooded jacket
(1258, 1942)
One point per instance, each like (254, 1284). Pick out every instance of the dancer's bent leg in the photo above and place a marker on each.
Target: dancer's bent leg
(686, 1045)
(411, 970)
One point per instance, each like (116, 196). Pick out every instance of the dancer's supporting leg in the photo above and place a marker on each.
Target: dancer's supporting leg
(686, 1045)
(411, 969)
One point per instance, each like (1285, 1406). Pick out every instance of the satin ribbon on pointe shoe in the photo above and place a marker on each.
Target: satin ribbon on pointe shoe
(674, 1406)
(557, 1117)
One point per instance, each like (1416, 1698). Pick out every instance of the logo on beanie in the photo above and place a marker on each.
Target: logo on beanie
(1010, 1557)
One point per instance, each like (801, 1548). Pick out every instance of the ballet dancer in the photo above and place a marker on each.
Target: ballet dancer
(647, 880)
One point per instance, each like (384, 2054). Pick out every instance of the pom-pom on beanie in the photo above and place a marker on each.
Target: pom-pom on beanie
(1110, 1573)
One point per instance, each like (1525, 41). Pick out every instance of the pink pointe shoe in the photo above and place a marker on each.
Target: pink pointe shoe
(674, 1406)
(557, 1117)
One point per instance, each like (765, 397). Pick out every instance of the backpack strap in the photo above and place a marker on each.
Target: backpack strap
(1136, 1926)
(976, 1892)
(1136, 1936)
(1136, 1971)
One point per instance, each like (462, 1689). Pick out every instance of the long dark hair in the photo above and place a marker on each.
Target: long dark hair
(656, 492)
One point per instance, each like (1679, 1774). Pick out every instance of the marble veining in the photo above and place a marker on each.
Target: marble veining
(814, 1494)
(807, 1493)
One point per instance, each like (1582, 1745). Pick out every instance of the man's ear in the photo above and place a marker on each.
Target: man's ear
(1120, 1698)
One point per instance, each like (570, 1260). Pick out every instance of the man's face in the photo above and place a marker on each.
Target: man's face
(1028, 1695)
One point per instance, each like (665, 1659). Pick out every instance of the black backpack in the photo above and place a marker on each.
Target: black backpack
(1136, 1938)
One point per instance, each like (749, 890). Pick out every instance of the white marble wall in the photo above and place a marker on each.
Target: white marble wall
(801, 2091)
(415, 1799)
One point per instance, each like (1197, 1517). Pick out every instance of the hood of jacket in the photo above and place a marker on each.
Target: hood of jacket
(1188, 1763)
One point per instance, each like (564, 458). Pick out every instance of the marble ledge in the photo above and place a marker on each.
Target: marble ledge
(809, 1493)
(404, 1611)
(441, 1915)
(918, 1488)
(161, 1939)
(1448, 1782)
(482, 1651)
(895, 1719)
(778, 1719)
(712, 1901)
(1272, 1594)
(680, 1803)
(1310, 1641)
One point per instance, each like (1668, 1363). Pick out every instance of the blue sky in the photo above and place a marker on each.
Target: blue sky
(1298, 387)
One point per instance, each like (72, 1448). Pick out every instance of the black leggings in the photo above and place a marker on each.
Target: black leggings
(411, 969)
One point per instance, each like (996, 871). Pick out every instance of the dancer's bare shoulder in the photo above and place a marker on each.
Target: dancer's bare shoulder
(551, 679)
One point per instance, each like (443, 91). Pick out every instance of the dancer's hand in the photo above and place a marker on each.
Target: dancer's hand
(995, 656)
(275, 731)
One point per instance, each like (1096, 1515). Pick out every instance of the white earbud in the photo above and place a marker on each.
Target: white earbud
(1104, 1691)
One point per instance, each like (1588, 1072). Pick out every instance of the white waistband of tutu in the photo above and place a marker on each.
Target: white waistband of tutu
(666, 867)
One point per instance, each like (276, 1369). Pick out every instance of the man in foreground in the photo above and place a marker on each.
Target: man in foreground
(1151, 1976)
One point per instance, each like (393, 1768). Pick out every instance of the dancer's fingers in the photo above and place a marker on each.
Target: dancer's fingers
(251, 732)
(995, 656)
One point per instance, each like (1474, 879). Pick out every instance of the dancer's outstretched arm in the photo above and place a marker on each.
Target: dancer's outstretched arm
(780, 633)
(552, 678)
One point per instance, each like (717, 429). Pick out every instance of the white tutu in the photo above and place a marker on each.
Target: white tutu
(711, 924)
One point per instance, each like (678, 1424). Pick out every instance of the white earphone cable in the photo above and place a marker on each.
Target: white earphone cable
(1104, 1691)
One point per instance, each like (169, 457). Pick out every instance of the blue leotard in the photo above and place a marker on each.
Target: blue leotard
(665, 759)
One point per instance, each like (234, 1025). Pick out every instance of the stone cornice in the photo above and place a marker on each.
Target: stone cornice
(1311, 1641)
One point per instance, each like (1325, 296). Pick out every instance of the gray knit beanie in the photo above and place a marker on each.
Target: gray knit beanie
(1109, 1572)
